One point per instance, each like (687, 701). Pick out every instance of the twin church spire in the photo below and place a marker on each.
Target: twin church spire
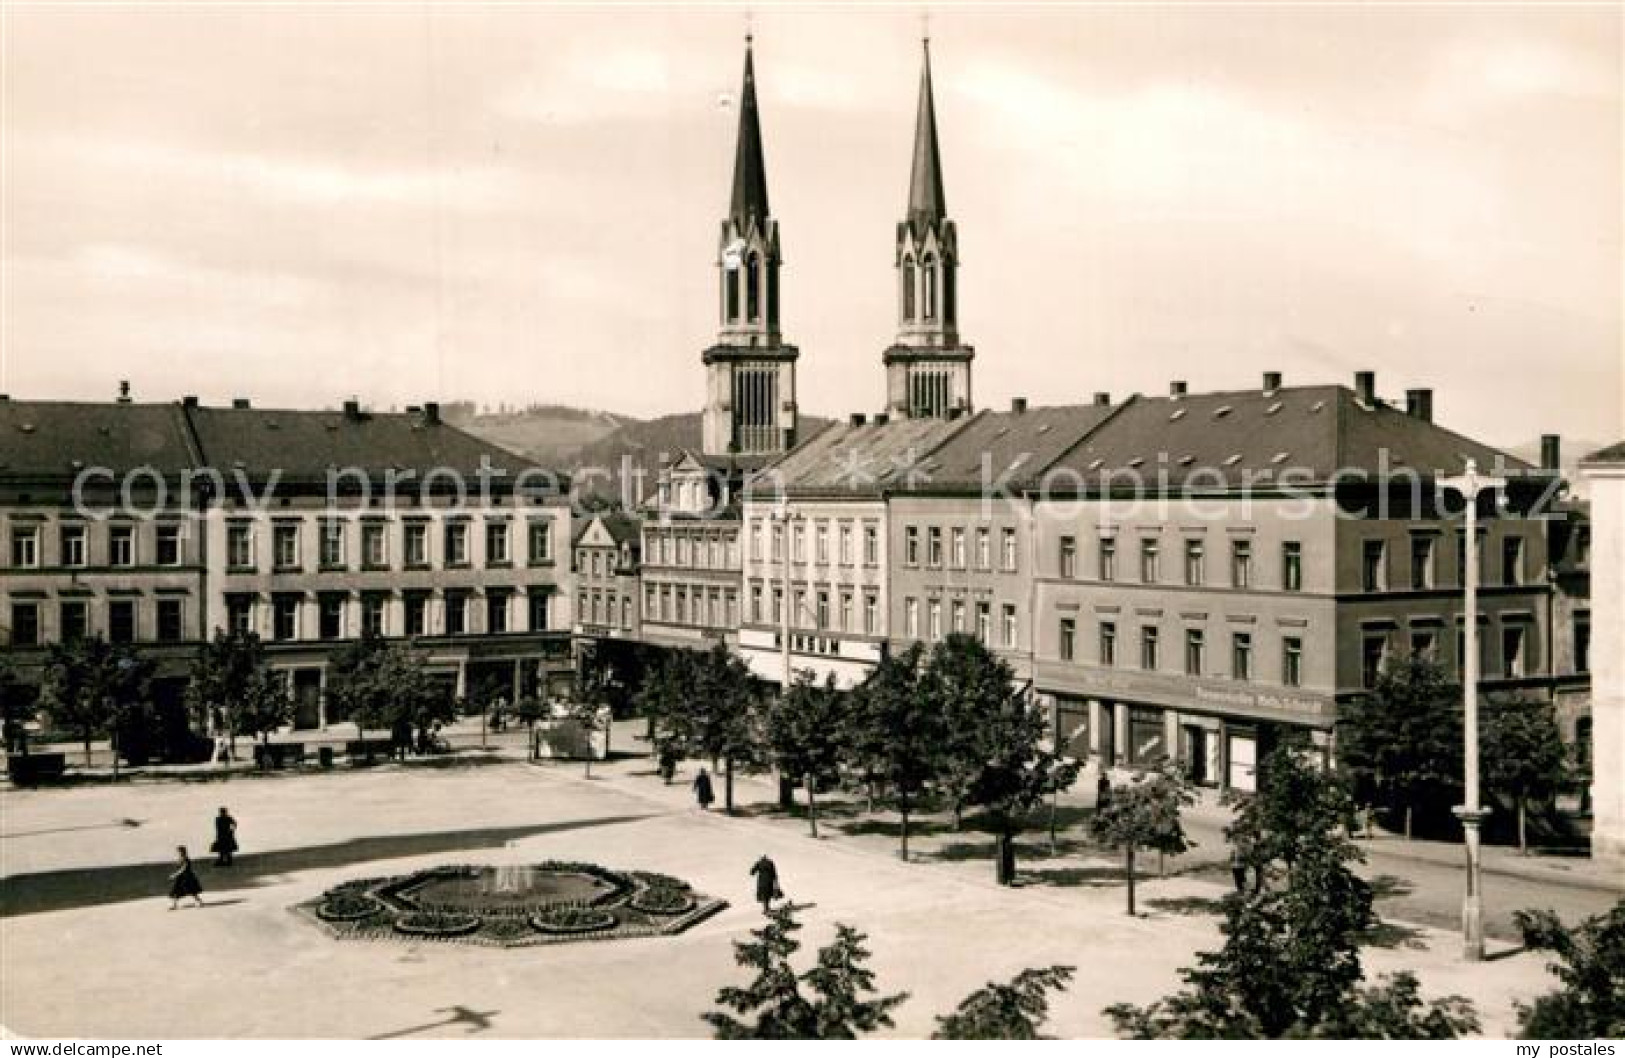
(750, 372)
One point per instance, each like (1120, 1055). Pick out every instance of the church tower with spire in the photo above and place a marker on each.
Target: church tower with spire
(928, 367)
(750, 407)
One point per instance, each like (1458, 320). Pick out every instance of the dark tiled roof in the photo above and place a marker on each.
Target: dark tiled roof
(857, 461)
(1013, 447)
(1316, 432)
(49, 439)
(1611, 454)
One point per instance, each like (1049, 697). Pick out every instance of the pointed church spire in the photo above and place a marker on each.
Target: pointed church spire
(925, 200)
(750, 172)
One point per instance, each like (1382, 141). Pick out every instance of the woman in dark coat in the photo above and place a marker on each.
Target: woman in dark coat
(767, 882)
(183, 882)
(702, 790)
(225, 838)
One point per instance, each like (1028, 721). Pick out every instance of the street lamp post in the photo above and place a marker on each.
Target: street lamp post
(1470, 812)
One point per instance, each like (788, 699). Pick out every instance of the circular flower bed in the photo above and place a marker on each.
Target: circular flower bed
(573, 920)
(347, 906)
(656, 880)
(436, 924)
(662, 901)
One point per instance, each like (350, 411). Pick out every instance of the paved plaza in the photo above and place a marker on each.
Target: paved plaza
(89, 947)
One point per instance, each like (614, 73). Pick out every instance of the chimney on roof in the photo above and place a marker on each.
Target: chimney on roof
(1551, 452)
(881, 418)
(241, 403)
(352, 409)
(1176, 389)
(1419, 404)
(1272, 381)
(1103, 399)
(1365, 387)
(431, 412)
(857, 418)
(189, 401)
(1018, 405)
(124, 392)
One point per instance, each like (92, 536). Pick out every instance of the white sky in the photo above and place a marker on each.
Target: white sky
(299, 204)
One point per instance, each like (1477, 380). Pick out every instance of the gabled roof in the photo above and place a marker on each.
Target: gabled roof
(857, 461)
(1008, 448)
(50, 439)
(1611, 454)
(1318, 433)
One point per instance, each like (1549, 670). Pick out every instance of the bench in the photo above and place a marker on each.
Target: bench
(278, 755)
(31, 769)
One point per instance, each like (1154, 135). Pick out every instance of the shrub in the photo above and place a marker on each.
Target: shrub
(573, 920)
(661, 901)
(347, 906)
(436, 924)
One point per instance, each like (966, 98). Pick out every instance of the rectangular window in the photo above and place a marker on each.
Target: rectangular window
(911, 545)
(755, 540)
(821, 543)
(1421, 563)
(956, 550)
(416, 614)
(285, 617)
(846, 611)
(372, 615)
(285, 546)
(121, 545)
(1108, 558)
(933, 547)
(1424, 644)
(911, 618)
(75, 618)
(456, 544)
(1008, 620)
(457, 613)
(121, 621)
(799, 615)
(331, 616)
(821, 614)
(240, 546)
(1150, 553)
(496, 613)
(1512, 560)
(171, 621)
(1241, 655)
(374, 545)
(73, 545)
(1067, 639)
(957, 617)
(240, 614)
(871, 614)
(1108, 643)
(1512, 648)
(1292, 661)
(167, 545)
(1582, 643)
(778, 605)
(416, 549)
(778, 541)
(25, 624)
(1373, 654)
(756, 604)
(496, 544)
(1069, 557)
(984, 623)
(25, 546)
(798, 542)
(1194, 573)
(1150, 647)
(1007, 549)
(1374, 566)
(871, 545)
(332, 544)
(539, 534)
(984, 549)
(1241, 563)
(1292, 566)
(1194, 646)
(846, 543)
(936, 619)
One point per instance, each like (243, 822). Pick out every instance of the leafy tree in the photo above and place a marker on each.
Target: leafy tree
(1403, 741)
(719, 718)
(386, 685)
(993, 742)
(805, 729)
(18, 705)
(230, 680)
(1290, 963)
(1524, 755)
(835, 1005)
(1013, 1010)
(1145, 815)
(899, 732)
(90, 684)
(1591, 1003)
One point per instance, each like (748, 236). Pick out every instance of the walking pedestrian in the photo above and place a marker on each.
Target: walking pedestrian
(702, 789)
(225, 838)
(1103, 791)
(183, 881)
(767, 882)
(668, 764)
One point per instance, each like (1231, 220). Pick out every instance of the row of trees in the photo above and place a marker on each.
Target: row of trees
(1402, 746)
(942, 724)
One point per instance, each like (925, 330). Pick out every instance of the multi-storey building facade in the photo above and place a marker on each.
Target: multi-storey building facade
(690, 555)
(1605, 472)
(606, 566)
(818, 542)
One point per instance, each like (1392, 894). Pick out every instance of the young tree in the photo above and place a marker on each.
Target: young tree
(1524, 755)
(1403, 741)
(230, 680)
(805, 735)
(1145, 815)
(386, 685)
(899, 732)
(1290, 963)
(835, 1005)
(1591, 1003)
(993, 742)
(720, 718)
(1013, 1010)
(90, 684)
